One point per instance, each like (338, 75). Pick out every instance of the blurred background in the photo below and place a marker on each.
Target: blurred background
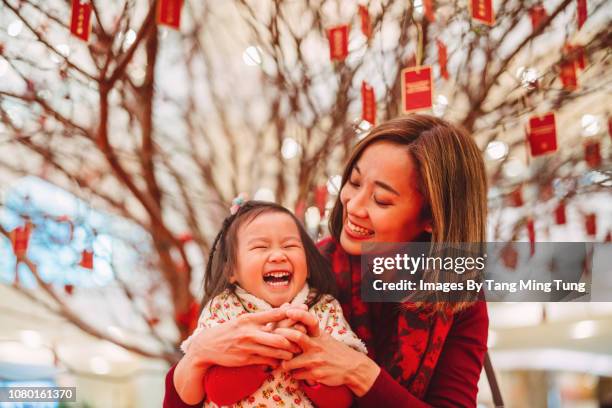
(127, 127)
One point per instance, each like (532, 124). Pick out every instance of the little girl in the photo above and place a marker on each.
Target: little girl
(261, 259)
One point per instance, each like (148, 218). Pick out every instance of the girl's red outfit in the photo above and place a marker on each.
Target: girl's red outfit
(426, 360)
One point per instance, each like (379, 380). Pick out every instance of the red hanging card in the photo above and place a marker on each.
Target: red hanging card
(542, 134)
(575, 54)
(608, 237)
(20, 239)
(366, 25)
(482, 10)
(531, 235)
(429, 10)
(169, 13)
(368, 103)
(610, 127)
(538, 15)
(80, 22)
(568, 75)
(560, 218)
(516, 197)
(320, 198)
(442, 58)
(185, 237)
(581, 11)
(592, 154)
(338, 42)
(509, 256)
(87, 259)
(417, 89)
(69, 288)
(590, 224)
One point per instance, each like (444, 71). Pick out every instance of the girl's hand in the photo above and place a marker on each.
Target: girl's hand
(243, 341)
(289, 323)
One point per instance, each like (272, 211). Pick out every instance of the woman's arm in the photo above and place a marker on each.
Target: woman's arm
(454, 383)
(243, 341)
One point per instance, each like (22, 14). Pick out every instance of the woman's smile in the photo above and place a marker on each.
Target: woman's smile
(356, 231)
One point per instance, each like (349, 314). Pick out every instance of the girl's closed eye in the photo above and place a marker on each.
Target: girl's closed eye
(382, 203)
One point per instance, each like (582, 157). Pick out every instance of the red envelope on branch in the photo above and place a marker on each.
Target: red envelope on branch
(482, 10)
(542, 134)
(417, 89)
(320, 198)
(20, 239)
(429, 10)
(169, 13)
(442, 58)
(590, 224)
(368, 99)
(338, 42)
(560, 218)
(538, 15)
(581, 11)
(366, 25)
(87, 259)
(80, 21)
(592, 154)
(516, 197)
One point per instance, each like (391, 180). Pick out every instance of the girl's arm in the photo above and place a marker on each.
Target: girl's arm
(454, 382)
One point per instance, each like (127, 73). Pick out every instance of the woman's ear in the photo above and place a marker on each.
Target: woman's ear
(428, 227)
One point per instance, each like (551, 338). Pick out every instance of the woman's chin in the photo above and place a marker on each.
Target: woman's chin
(349, 245)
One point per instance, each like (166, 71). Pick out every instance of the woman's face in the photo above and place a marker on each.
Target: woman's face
(381, 201)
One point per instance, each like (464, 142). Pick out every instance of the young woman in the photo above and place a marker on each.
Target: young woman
(416, 178)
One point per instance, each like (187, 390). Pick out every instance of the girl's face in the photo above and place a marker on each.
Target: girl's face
(270, 258)
(381, 201)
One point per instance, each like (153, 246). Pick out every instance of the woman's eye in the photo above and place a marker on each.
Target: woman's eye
(382, 203)
(353, 183)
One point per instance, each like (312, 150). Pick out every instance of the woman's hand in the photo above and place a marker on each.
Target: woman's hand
(239, 342)
(243, 341)
(325, 359)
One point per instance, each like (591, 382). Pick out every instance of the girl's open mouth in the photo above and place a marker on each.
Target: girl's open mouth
(278, 278)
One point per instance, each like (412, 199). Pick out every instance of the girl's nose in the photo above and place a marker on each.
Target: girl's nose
(277, 255)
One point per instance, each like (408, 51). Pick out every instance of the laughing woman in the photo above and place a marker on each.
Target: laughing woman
(417, 179)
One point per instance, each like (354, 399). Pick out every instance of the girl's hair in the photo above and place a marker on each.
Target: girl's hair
(451, 176)
(222, 258)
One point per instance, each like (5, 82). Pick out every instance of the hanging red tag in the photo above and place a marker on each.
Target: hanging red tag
(590, 224)
(531, 235)
(516, 197)
(575, 54)
(568, 75)
(80, 22)
(592, 154)
(20, 239)
(368, 103)
(417, 89)
(610, 127)
(542, 134)
(320, 198)
(169, 13)
(87, 259)
(366, 25)
(560, 218)
(442, 58)
(509, 256)
(581, 11)
(538, 15)
(482, 10)
(185, 237)
(69, 289)
(429, 10)
(608, 237)
(338, 42)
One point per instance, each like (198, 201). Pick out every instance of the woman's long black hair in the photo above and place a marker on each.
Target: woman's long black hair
(222, 258)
